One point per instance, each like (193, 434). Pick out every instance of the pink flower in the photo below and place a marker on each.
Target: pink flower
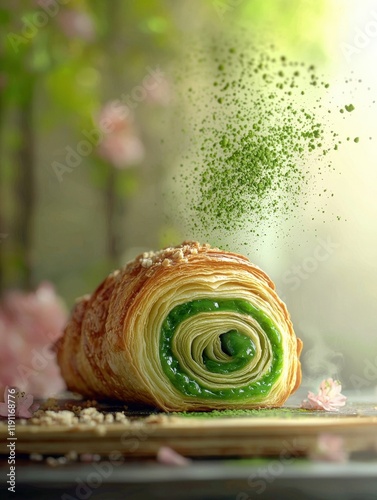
(121, 146)
(159, 92)
(76, 24)
(167, 456)
(17, 404)
(115, 117)
(329, 397)
(329, 448)
(29, 325)
(121, 150)
(41, 314)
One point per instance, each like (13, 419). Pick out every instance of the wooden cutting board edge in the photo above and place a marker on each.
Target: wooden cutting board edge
(195, 437)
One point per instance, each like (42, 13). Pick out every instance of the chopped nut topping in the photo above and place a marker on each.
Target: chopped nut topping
(170, 255)
(146, 263)
(178, 255)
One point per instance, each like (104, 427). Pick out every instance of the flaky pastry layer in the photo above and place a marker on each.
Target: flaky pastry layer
(111, 347)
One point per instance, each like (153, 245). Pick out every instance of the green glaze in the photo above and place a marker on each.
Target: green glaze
(238, 346)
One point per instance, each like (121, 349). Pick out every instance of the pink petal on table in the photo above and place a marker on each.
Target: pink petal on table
(167, 456)
(23, 403)
(328, 398)
(330, 448)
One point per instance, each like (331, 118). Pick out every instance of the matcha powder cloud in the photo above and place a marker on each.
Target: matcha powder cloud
(247, 151)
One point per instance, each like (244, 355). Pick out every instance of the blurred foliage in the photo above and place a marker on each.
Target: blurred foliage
(59, 65)
(293, 25)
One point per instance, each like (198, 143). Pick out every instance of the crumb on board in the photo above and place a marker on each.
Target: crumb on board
(86, 416)
(159, 419)
(74, 457)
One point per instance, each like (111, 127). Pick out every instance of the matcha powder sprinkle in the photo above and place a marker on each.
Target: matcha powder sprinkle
(254, 136)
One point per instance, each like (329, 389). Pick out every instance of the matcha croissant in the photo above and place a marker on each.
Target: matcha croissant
(187, 328)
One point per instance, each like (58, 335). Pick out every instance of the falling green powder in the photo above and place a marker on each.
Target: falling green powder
(249, 152)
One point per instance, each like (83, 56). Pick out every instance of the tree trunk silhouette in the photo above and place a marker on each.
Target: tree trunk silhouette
(26, 189)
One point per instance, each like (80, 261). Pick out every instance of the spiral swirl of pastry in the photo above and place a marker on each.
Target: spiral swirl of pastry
(186, 328)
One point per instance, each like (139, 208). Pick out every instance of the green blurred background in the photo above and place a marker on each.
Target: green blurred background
(63, 62)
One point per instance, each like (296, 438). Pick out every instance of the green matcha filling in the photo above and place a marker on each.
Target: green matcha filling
(237, 346)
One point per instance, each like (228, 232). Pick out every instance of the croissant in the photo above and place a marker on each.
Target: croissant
(186, 328)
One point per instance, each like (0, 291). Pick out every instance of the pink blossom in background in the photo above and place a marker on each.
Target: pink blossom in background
(25, 407)
(121, 150)
(115, 117)
(159, 93)
(329, 397)
(121, 146)
(29, 325)
(41, 313)
(76, 24)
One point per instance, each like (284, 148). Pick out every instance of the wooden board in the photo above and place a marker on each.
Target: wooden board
(292, 434)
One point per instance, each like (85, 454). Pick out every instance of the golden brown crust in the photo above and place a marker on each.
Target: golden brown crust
(110, 346)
